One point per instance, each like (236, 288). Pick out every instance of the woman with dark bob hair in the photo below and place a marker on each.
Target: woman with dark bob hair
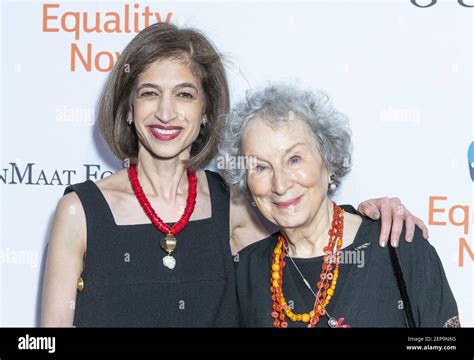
(159, 234)
(323, 267)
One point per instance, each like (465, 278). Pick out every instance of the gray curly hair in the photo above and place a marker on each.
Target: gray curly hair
(282, 102)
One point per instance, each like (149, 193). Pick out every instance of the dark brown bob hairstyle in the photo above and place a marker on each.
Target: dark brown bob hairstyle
(164, 41)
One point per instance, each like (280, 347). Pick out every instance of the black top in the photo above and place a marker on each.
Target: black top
(366, 293)
(126, 283)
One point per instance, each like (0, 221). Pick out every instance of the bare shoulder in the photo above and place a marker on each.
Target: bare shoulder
(69, 210)
(117, 181)
(203, 185)
(246, 224)
(240, 210)
(69, 227)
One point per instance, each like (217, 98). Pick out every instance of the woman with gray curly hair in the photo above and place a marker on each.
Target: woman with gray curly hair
(322, 268)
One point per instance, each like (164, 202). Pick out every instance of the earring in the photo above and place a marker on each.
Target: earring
(332, 184)
(204, 120)
(129, 121)
(254, 204)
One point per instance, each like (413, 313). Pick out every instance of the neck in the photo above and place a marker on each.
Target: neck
(309, 240)
(165, 178)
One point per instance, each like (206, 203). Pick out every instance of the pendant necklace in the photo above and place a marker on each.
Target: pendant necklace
(168, 242)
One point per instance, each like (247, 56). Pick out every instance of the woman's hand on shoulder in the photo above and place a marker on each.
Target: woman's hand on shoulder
(393, 215)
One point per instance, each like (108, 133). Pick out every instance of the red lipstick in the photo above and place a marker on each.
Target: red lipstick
(165, 133)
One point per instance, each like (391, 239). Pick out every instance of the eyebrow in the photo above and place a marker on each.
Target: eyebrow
(292, 148)
(286, 151)
(157, 87)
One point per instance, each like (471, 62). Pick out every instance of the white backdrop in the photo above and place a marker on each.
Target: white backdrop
(403, 74)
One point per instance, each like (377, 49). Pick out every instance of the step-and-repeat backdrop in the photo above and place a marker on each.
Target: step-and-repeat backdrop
(401, 70)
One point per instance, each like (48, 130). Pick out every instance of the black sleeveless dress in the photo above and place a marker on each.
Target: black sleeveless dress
(126, 283)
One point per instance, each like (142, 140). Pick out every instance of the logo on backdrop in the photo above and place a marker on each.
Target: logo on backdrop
(425, 4)
(31, 174)
(130, 19)
(441, 212)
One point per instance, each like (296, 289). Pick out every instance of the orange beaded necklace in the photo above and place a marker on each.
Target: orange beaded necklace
(326, 284)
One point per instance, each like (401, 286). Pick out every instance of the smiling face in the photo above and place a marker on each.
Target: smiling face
(289, 180)
(168, 107)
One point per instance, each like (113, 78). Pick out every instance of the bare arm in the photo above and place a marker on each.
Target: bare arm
(246, 226)
(65, 262)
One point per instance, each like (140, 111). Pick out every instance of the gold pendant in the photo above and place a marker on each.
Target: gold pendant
(168, 244)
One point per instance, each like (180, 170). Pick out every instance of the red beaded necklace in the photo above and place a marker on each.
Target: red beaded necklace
(168, 242)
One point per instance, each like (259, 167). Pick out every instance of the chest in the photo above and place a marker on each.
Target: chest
(126, 209)
(363, 297)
